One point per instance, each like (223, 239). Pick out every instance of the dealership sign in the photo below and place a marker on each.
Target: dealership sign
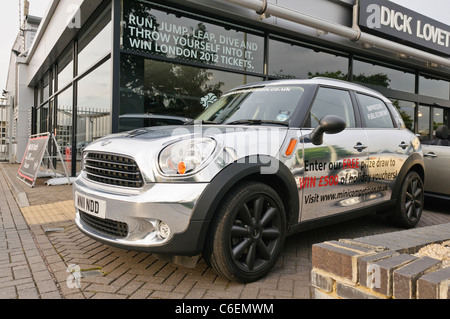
(399, 23)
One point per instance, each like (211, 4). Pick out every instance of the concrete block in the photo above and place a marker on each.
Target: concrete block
(434, 285)
(319, 294)
(405, 278)
(337, 258)
(351, 292)
(321, 281)
(365, 272)
(383, 272)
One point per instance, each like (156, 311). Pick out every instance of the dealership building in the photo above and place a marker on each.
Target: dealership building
(90, 68)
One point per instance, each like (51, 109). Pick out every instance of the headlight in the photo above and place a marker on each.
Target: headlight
(83, 160)
(186, 156)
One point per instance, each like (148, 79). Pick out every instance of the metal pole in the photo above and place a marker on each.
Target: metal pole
(10, 129)
(2, 134)
(354, 34)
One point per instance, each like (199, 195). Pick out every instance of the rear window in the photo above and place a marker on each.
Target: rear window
(375, 113)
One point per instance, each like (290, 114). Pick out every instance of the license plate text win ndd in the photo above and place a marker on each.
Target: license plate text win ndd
(90, 205)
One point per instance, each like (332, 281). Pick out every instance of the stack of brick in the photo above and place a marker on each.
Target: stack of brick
(362, 268)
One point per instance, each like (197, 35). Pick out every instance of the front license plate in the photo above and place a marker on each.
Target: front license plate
(90, 205)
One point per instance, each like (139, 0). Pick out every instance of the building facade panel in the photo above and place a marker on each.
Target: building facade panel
(132, 63)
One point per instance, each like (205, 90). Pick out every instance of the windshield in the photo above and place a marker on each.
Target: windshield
(257, 105)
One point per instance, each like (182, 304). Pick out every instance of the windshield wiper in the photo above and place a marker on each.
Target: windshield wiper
(257, 122)
(199, 122)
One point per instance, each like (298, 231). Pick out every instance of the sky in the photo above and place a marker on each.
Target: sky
(9, 22)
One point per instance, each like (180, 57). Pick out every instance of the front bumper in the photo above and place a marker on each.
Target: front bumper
(138, 213)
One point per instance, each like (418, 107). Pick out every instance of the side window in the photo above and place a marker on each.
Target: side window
(375, 112)
(331, 102)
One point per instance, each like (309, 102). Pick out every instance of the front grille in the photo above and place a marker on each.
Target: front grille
(113, 170)
(105, 226)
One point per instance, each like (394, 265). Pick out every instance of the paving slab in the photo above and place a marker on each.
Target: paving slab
(48, 257)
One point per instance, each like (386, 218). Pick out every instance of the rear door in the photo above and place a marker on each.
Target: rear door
(389, 147)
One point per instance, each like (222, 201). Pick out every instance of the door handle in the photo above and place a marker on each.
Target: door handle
(403, 145)
(431, 154)
(359, 147)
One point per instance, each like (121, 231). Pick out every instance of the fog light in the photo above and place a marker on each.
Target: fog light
(163, 230)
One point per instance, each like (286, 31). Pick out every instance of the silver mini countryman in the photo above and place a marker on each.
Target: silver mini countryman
(264, 161)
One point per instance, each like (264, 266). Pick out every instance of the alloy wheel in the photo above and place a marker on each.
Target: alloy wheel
(414, 199)
(255, 233)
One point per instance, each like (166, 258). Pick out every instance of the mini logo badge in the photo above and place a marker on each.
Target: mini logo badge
(105, 142)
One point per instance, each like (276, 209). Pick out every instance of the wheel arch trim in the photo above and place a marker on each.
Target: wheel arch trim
(242, 170)
(415, 163)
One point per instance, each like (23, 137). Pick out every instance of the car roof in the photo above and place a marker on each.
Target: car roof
(319, 81)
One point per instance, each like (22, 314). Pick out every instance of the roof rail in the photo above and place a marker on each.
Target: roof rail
(347, 82)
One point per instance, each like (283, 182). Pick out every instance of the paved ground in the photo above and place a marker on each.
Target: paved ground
(40, 247)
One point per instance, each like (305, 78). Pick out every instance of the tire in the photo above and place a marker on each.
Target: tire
(410, 202)
(247, 233)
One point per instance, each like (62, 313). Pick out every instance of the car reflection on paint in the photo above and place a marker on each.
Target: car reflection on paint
(437, 164)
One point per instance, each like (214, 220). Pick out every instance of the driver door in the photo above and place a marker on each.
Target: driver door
(333, 180)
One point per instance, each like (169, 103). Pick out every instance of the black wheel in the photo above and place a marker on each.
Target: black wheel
(247, 233)
(410, 202)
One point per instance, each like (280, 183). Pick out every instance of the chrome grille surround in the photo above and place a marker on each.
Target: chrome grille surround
(112, 169)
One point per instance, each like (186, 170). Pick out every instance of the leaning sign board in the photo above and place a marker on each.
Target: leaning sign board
(39, 148)
(32, 158)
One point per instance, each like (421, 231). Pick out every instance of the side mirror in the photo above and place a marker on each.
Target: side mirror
(329, 124)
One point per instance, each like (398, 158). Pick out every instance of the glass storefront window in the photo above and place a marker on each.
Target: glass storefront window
(438, 118)
(153, 32)
(64, 114)
(65, 69)
(95, 43)
(38, 121)
(38, 93)
(169, 91)
(93, 107)
(424, 120)
(46, 88)
(436, 88)
(44, 118)
(293, 61)
(367, 73)
(406, 110)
